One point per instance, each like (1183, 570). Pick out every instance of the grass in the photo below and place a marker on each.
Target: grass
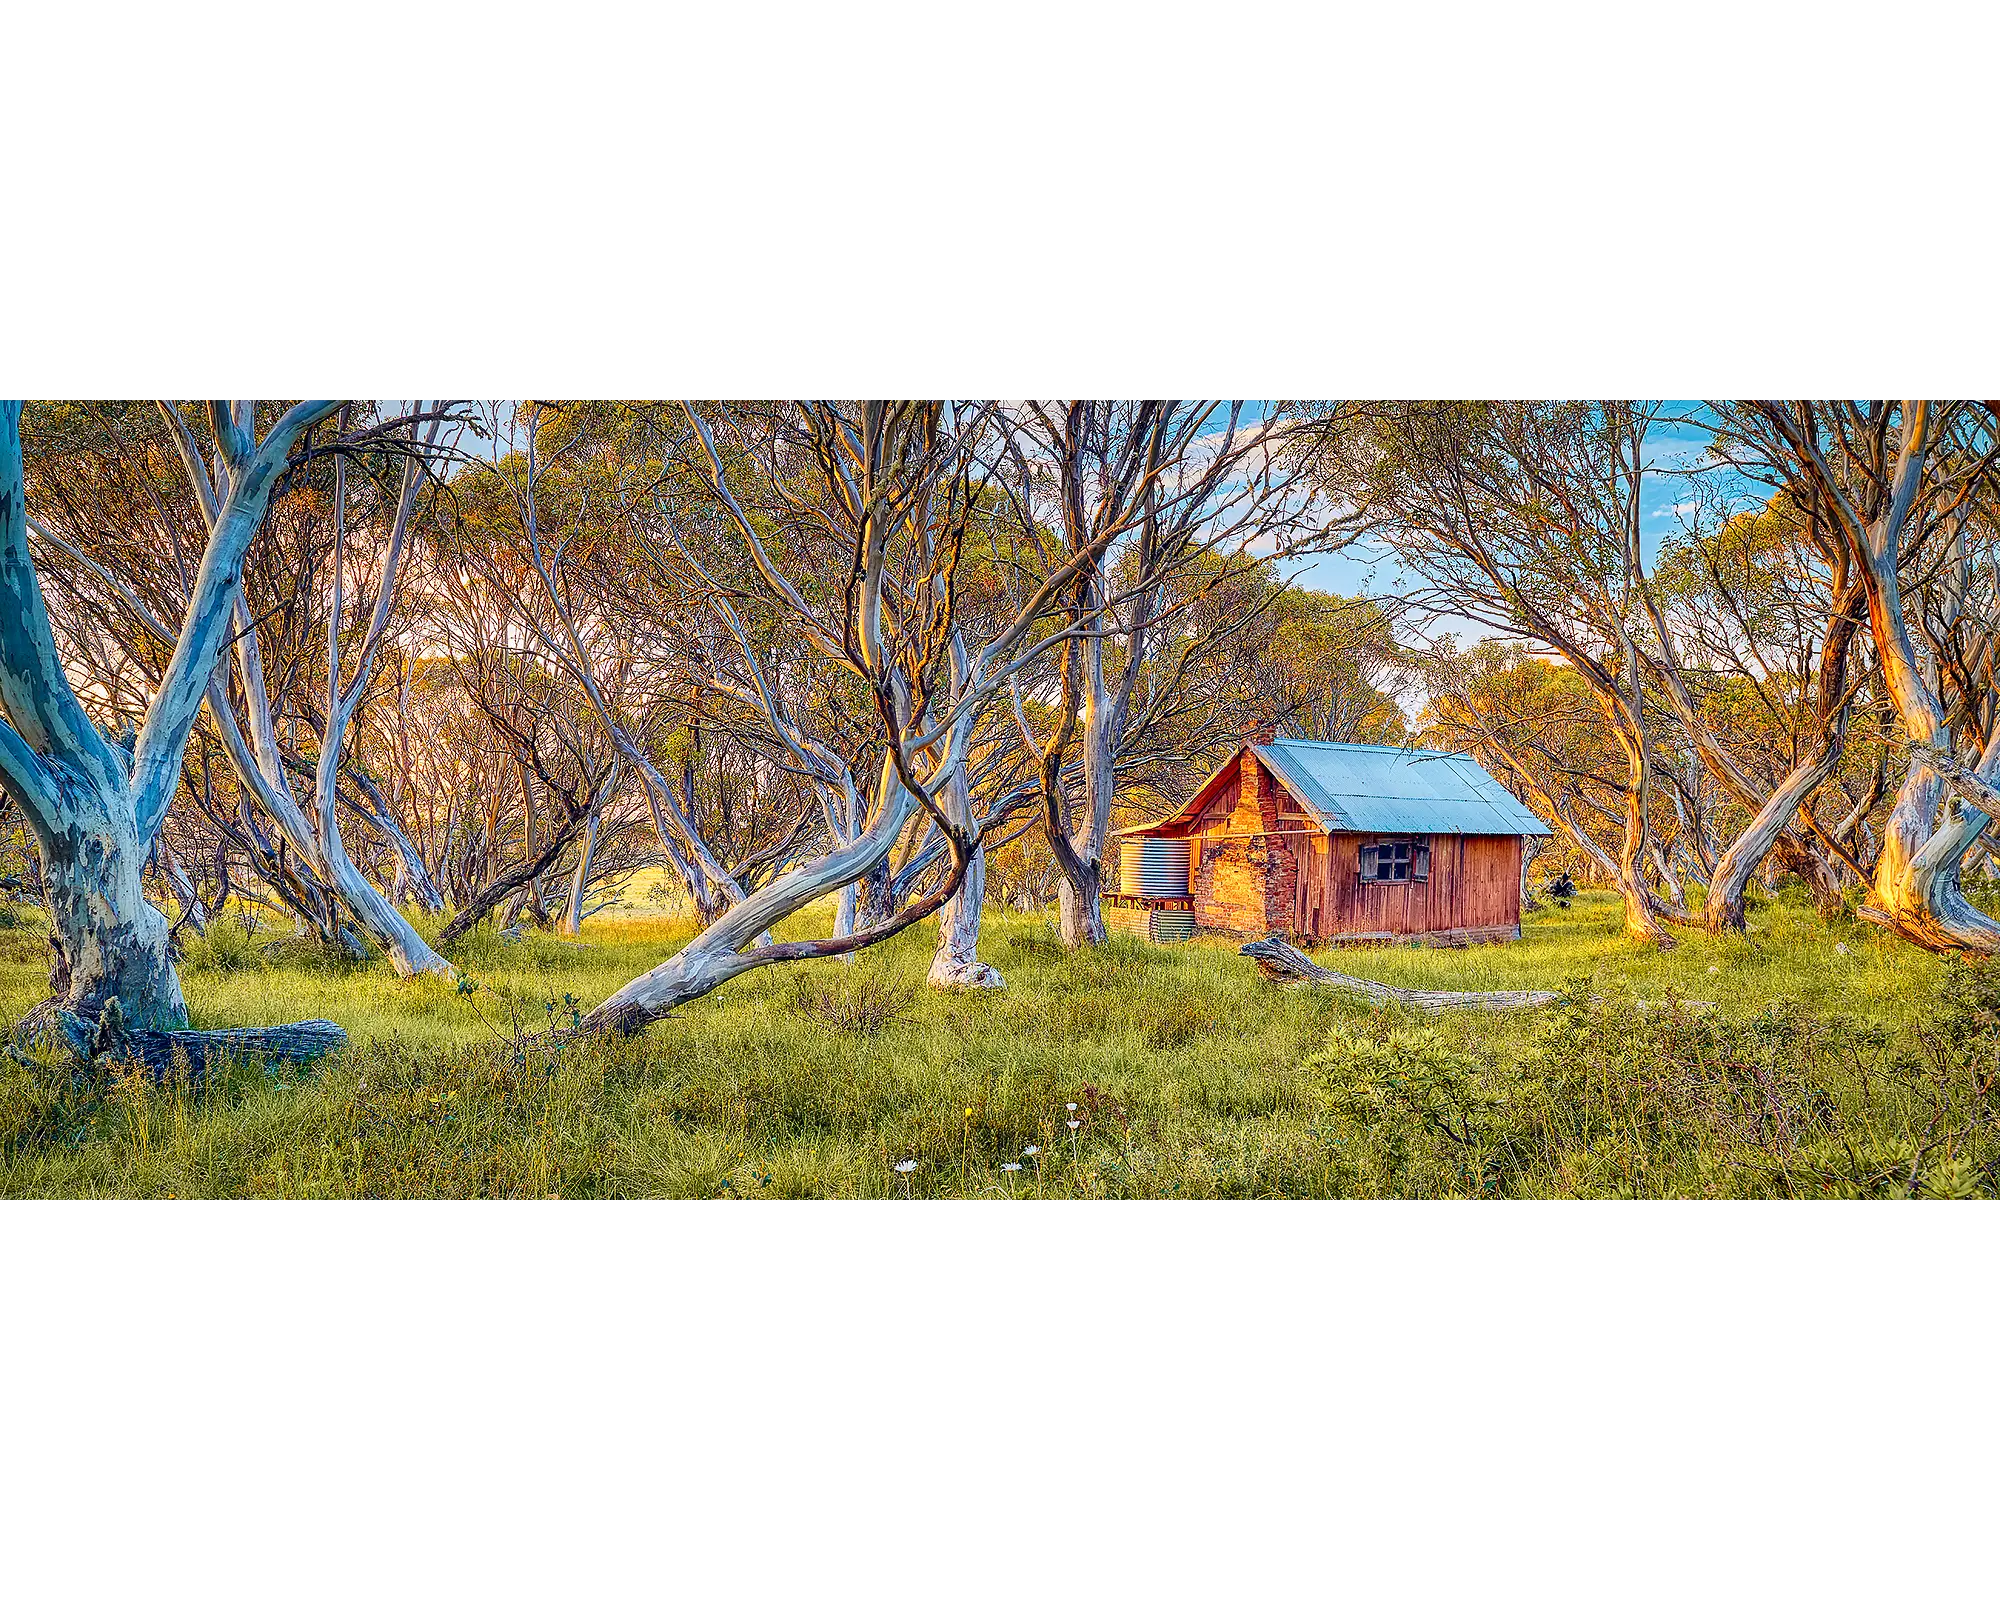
(1834, 1062)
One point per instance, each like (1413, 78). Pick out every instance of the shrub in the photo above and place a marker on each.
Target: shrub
(1422, 1116)
(856, 1000)
(225, 946)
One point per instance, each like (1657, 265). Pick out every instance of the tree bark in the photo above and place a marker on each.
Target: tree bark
(113, 940)
(1917, 889)
(716, 954)
(956, 965)
(408, 952)
(94, 822)
(160, 1053)
(1642, 921)
(875, 900)
(1723, 910)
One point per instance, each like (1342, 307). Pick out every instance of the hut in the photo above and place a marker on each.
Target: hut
(1331, 843)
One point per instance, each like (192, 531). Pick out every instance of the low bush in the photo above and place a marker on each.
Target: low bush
(1798, 1061)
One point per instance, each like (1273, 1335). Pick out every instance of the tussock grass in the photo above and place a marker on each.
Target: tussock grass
(1835, 1062)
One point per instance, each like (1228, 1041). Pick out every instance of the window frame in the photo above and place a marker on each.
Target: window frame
(1410, 852)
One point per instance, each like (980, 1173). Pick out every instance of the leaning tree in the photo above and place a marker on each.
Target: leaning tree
(1906, 484)
(94, 809)
(889, 495)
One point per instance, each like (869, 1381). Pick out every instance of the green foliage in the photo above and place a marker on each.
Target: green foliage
(1415, 1114)
(225, 947)
(1790, 1069)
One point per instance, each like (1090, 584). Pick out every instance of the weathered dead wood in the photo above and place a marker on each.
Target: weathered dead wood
(159, 1050)
(1283, 963)
(205, 1047)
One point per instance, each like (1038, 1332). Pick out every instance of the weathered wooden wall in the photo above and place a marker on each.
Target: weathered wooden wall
(1260, 866)
(1474, 887)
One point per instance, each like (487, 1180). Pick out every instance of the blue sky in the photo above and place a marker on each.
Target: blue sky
(1674, 443)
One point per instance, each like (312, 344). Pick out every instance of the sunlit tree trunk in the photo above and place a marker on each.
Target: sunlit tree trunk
(1917, 888)
(956, 964)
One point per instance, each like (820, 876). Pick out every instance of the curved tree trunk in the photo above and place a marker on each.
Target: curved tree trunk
(579, 883)
(1642, 922)
(413, 879)
(717, 954)
(94, 822)
(1916, 887)
(1723, 910)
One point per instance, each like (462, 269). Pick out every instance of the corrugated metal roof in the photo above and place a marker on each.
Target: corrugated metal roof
(1375, 788)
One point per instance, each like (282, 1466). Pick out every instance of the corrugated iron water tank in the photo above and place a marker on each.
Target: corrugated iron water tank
(1154, 869)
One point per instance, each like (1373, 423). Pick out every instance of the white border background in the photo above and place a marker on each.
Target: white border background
(1115, 198)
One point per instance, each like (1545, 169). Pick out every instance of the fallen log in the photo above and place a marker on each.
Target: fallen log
(1284, 963)
(109, 1042)
(296, 1042)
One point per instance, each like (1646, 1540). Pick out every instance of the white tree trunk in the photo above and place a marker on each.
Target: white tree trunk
(95, 824)
(113, 940)
(579, 883)
(1917, 889)
(717, 954)
(956, 965)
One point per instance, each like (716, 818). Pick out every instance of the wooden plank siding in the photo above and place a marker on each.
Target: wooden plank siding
(1475, 885)
(1308, 885)
(1259, 863)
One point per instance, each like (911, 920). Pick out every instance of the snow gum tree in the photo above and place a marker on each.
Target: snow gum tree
(94, 811)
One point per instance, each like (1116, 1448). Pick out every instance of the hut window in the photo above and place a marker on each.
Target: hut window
(1396, 861)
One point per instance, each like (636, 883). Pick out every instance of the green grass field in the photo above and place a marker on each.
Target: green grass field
(1832, 1061)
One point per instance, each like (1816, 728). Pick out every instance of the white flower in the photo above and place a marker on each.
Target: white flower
(1010, 1166)
(906, 1166)
(1715, 969)
(1070, 1107)
(1074, 1123)
(1032, 1150)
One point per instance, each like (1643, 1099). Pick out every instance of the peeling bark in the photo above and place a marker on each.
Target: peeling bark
(114, 941)
(95, 822)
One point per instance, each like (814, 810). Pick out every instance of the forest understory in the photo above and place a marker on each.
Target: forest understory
(1807, 1059)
